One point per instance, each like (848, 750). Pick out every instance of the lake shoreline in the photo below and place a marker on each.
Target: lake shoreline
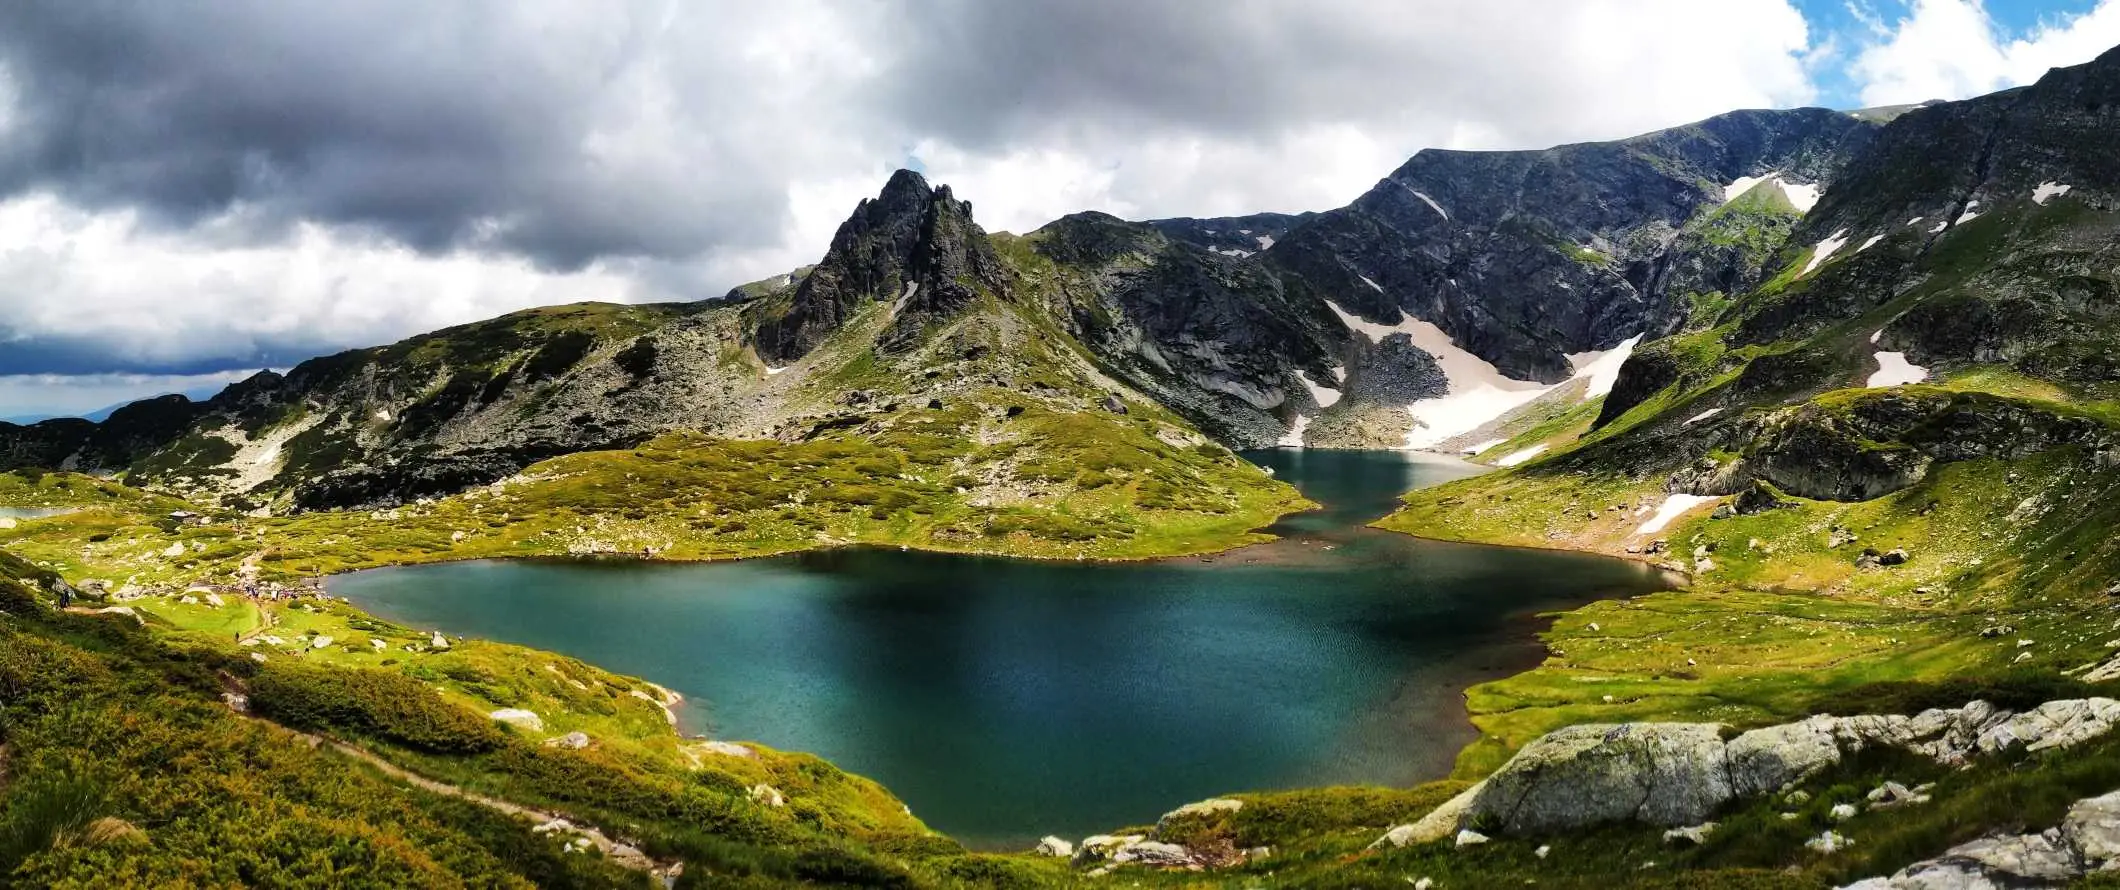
(1426, 621)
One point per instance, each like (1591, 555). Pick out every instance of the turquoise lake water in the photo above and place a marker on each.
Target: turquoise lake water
(1008, 699)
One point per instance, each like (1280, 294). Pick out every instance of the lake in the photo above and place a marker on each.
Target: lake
(1007, 699)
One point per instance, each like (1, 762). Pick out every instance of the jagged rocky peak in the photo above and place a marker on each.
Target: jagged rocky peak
(913, 245)
(1525, 257)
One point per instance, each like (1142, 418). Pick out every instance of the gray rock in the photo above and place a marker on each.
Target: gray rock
(576, 741)
(1056, 847)
(520, 717)
(1469, 838)
(1099, 847)
(1155, 854)
(2092, 827)
(1693, 834)
(2026, 860)
(1659, 773)
(767, 795)
(2056, 724)
(1829, 842)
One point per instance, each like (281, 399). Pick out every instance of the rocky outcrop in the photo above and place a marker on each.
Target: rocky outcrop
(913, 245)
(1879, 443)
(2086, 841)
(1678, 774)
(1219, 338)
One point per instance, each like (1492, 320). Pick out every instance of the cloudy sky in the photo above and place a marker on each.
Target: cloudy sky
(193, 189)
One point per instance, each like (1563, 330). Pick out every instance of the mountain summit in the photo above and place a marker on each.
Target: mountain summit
(912, 245)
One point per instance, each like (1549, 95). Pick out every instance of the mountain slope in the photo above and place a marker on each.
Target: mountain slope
(1900, 442)
(1522, 257)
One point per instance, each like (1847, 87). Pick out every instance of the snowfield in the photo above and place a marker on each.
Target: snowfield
(1521, 456)
(1673, 507)
(2048, 191)
(1478, 392)
(1824, 250)
(1894, 370)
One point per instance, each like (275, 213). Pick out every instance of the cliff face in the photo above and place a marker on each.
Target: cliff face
(913, 245)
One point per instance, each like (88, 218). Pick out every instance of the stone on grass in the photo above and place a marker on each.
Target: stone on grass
(1053, 846)
(575, 740)
(1693, 834)
(520, 717)
(1153, 853)
(1828, 843)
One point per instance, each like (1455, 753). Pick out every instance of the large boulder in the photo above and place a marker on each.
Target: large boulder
(1659, 773)
(1676, 774)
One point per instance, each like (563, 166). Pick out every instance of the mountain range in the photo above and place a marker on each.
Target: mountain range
(1459, 273)
(1852, 373)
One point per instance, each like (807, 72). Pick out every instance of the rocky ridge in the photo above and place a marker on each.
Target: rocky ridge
(1677, 774)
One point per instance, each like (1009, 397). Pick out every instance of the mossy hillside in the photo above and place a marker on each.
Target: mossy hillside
(125, 771)
(968, 477)
(1779, 611)
(107, 718)
(47, 488)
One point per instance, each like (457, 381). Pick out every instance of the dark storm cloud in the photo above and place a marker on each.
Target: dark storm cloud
(76, 355)
(441, 125)
(187, 183)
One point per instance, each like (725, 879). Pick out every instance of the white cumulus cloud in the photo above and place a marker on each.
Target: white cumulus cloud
(1953, 49)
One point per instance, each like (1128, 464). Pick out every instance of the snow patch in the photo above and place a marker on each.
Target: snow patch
(1477, 391)
(1969, 213)
(1483, 446)
(1704, 415)
(1325, 398)
(1941, 224)
(1825, 249)
(1602, 368)
(1893, 369)
(1432, 205)
(1879, 335)
(1372, 285)
(1265, 241)
(2048, 191)
(1294, 437)
(1803, 195)
(770, 370)
(1916, 220)
(1521, 456)
(1741, 185)
(1866, 245)
(1230, 252)
(1673, 507)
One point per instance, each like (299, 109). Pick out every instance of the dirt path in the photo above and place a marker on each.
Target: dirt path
(621, 853)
